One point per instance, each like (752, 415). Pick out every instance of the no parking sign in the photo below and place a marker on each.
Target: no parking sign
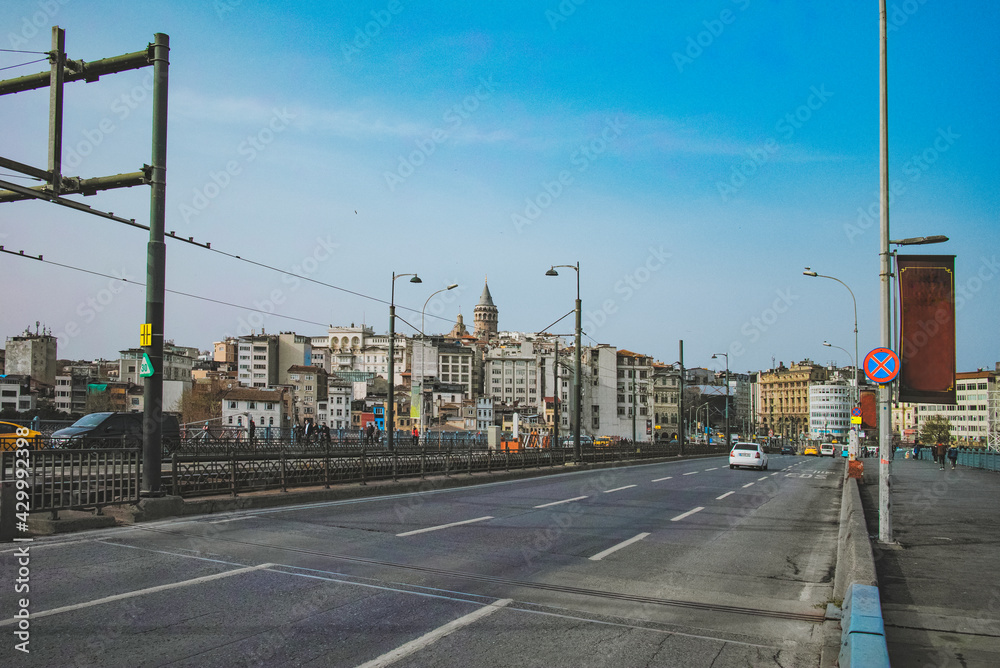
(881, 366)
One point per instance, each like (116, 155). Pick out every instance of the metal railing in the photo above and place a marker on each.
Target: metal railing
(239, 471)
(979, 458)
(74, 479)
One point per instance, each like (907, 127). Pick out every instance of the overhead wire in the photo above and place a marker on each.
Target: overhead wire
(39, 258)
(32, 62)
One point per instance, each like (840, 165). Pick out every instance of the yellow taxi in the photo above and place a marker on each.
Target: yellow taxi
(811, 450)
(9, 435)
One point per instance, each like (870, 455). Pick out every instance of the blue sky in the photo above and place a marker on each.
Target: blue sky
(693, 158)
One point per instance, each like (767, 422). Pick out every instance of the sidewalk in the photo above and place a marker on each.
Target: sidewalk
(940, 586)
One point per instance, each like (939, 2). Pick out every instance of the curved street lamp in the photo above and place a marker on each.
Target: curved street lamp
(422, 310)
(852, 448)
(715, 356)
(577, 453)
(390, 416)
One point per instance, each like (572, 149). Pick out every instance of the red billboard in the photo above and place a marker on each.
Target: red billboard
(927, 328)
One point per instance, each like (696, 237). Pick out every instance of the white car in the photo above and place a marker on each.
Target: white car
(748, 454)
(827, 450)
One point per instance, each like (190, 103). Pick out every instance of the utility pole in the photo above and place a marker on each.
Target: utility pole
(156, 259)
(56, 185)
(884, 416)
(680, 396)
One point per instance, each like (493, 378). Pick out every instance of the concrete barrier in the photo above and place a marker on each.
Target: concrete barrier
(855, 559)
(862, 640)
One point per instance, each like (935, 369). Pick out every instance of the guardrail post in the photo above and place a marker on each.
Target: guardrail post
(232, 470)
(174, 486)
(363, 466)
(326, 466)
(284, 483)
(447, 460)
(395, 460)
(423, 461)
(489, 460)
(470, 459)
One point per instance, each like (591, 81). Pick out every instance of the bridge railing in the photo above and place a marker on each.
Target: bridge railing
(56, 480)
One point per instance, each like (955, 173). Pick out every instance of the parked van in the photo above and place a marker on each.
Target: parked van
(112, 430)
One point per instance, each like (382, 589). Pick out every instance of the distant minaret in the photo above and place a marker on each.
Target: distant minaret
(485, 315)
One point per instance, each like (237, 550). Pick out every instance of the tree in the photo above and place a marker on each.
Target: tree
(201, 404)
(935, 429)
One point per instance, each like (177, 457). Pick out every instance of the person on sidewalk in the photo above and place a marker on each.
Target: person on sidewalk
(939, 454)
(416, 436)
(916, 450)
(953, 455)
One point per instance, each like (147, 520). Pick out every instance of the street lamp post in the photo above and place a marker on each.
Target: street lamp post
(421, 385)
(727, 393)
(577, 453)
(852, 447)
(390, 415)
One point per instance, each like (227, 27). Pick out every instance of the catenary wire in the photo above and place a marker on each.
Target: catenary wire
(175, 292)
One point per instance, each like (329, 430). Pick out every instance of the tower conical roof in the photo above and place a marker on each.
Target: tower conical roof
(486, 299)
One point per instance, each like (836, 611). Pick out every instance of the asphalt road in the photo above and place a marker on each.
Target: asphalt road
(676, 564)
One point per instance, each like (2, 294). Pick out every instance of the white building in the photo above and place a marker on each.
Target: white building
(266, 407)
(484, 413)
(975, 415)
(830, 406)
(15, 393)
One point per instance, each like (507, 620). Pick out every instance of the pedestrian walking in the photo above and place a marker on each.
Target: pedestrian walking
(916, 450)
(324, 433)
(371, 433)
(953, 455)
(416, 436)
(939, 454)
(309, 431)
(297, 432)
(253, 430)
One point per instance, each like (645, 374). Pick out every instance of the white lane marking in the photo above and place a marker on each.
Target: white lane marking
(662, 479)
(690, 512)
(556, 503)
(633, 539)
(714, 468)
(747, 485)
(618, 489)
(774, 474)
(719, 498)
(690, 473)
(232, 519)
(423, 641)
(444, 526)
(764, 478)
(140, 592)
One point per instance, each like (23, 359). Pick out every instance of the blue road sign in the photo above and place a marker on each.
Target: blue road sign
(881, 365)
